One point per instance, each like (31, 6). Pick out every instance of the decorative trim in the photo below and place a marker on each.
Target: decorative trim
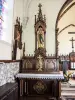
(69, 1)
(56, 75)
(9, 61)
(66, 11)
(56, 32)
(66, 27)
(66, 2)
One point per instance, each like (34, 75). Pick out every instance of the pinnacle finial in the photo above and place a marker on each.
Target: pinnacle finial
(39, 5)
(40, 12)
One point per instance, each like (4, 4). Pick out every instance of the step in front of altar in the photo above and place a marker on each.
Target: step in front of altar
(67, 90)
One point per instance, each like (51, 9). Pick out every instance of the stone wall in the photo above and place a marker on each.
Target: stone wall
(8, 72)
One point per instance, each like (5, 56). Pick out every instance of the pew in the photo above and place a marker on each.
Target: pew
(9, 91)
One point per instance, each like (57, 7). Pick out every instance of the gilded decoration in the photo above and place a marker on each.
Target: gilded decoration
(39, 64)
(28, 64)
(40, 87)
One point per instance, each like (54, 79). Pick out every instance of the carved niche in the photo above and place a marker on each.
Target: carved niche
(40, 33)
(40, 39)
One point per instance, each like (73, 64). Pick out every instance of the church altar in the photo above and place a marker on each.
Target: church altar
(40, 84)
(39, 74)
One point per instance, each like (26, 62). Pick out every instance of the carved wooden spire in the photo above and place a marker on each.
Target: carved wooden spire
(40, 16)
(40, 12)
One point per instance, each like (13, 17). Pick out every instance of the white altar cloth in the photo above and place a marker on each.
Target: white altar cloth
(40, 76)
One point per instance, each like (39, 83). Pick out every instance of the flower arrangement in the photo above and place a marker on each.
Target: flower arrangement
(68, 75)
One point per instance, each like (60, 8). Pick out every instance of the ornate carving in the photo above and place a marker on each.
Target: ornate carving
(40, 87)
(39, 63)
(17, 38)
(18, 33)
(56, 42)
(28, 64)
(41, 51)
(24, 50)
(40, 31)
(39, 58)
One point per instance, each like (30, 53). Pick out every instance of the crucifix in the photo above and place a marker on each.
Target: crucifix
(40, 63)
(72, 40)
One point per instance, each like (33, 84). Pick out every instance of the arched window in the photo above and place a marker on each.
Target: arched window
(2, 16)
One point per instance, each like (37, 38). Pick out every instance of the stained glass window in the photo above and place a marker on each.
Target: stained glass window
(2, 16)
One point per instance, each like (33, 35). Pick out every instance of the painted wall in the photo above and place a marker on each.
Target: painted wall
(18, 10)
(14, 10)
(5, 50)
(65, 45)
(26, 10)
(50, 8)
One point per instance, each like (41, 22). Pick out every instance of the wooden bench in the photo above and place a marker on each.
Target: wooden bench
(9, 91)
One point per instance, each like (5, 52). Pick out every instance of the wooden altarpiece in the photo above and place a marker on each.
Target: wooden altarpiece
(39, 64)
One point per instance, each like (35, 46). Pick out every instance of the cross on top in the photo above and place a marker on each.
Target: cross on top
(39, 5)
(72, 40)
(39, 57)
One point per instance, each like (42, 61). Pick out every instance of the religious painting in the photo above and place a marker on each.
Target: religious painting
(40, 37)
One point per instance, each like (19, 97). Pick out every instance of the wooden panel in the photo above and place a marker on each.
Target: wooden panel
(29, 64)
(42, 87)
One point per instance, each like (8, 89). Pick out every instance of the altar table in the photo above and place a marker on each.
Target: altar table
(40, 83)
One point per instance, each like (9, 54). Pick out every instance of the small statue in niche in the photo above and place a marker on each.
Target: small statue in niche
(40, 37)
(39, 63)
